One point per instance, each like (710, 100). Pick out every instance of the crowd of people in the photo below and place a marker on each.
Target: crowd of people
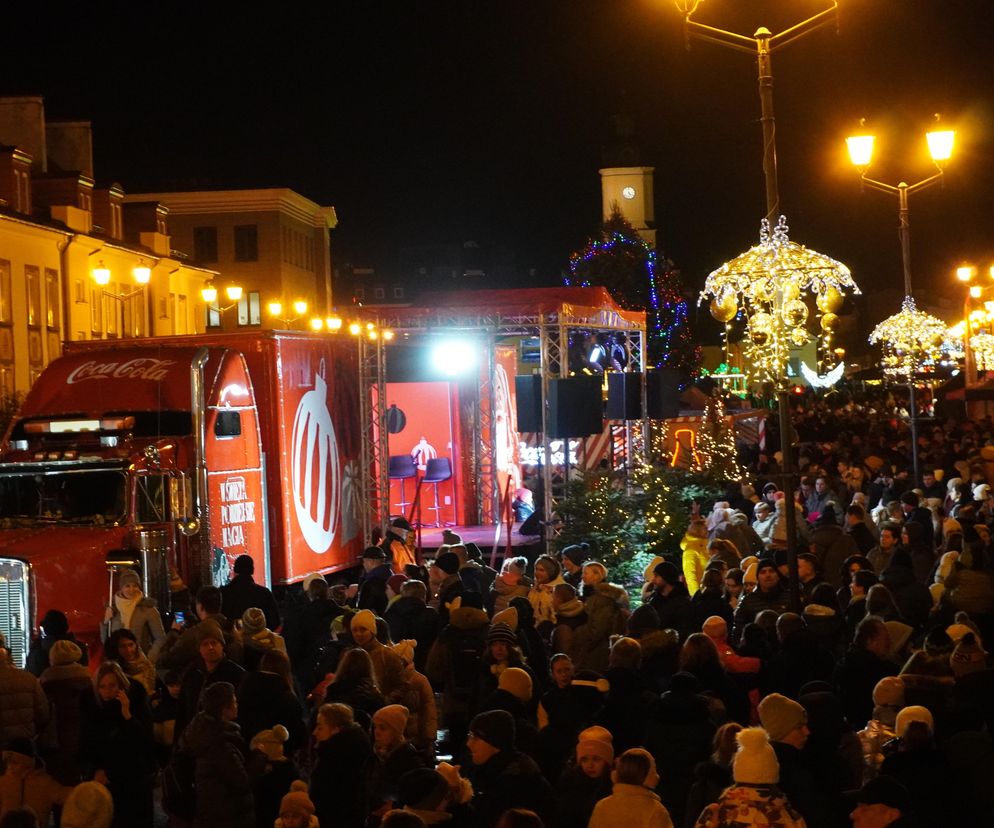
(711, 695)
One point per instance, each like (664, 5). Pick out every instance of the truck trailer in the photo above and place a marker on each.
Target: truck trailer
(175, 455)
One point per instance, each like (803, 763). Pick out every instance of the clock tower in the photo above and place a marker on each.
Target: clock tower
(630, 188)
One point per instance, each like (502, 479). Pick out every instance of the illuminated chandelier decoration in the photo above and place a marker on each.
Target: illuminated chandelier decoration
(982, 348)
(911, 339)
(770, 284)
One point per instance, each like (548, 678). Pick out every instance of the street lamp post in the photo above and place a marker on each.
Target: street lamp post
(940, 146)
(275, 309)
(209, 294)
(762, 44)
(142, 275)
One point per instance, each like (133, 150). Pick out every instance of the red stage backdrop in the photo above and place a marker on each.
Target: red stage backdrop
(506, 448)
(430, 412)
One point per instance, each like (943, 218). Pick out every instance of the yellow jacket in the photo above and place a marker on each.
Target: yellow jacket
(695, 559)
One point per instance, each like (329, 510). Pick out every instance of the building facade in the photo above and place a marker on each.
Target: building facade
(75, 261)
(272, 243)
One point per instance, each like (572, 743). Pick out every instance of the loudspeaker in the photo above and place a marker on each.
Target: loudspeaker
(575, 408)
(624, 396)
(528, 402)
(662, 391)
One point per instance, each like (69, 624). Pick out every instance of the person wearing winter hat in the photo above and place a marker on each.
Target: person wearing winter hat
(881, 802)
(428, 794)
(422, 724)
(273, 776)
(257, 639)
(445, 583)
(913, 714)
(573, 559)
(64, 652)
(211, 667)
(395, 756)
(388, 666)
(586, 781)
(633, 800)
(132, 610)
(888, 699)
(296, 808)
(754, 798)
(371, 590)
(770, 594)
(90, 805)
(502, 777)
(968, 656)
(670, 598)
(518, 683)
(548, 575)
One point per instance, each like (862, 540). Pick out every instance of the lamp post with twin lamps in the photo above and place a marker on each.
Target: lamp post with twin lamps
(142, 275)
(910, 338)
(209, 294)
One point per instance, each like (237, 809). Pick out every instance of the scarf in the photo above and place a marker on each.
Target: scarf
(126, 608)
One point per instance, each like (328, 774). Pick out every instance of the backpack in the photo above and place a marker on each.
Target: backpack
(179, 791)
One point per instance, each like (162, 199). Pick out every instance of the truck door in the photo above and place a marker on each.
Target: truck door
(235, 474)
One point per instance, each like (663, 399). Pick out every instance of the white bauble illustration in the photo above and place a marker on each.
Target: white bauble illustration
(315, 471)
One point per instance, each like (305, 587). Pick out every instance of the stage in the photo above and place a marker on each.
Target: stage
(482, 536)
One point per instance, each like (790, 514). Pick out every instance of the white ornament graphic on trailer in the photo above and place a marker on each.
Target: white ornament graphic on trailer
(315, 471)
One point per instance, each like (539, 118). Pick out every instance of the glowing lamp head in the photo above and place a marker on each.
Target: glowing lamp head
(300, 307)
(275, 308)
(355, 329)
(233, 292)
(334, 323)
(974, 291)
(940, 144)
(387, 336)
(373, 335)
(317, 323)
(101, 274)
(860, 149)
(209, 293)
(453, 357)
(965, 273)
(142, 274)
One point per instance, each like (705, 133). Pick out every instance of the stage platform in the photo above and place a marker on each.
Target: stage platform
(482, 536)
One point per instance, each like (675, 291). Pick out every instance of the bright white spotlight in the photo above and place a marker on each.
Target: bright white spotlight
(453, 357)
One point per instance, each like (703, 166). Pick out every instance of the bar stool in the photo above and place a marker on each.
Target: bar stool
(401, 467)
(438, 470)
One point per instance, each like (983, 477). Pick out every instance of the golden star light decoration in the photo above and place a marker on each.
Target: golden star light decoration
(780, 287)
(911, 339)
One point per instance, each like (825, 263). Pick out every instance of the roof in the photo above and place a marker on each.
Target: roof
(591, 307)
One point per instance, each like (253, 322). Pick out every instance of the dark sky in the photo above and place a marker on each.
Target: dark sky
(438, 121)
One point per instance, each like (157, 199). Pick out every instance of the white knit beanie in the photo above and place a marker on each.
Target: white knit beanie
(754, 762)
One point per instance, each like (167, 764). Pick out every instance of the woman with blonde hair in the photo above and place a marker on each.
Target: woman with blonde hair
(131, 610)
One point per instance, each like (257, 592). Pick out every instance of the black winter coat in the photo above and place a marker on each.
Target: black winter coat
(753, 603)
(800, 659)
(854, 678)
(123, 749)
(338, 782)
(409, 618)
(306, 631)
(194, 682)
(264, 700)
(510, 780)
(242, 593)
(373, 590)
(386, 771)
(224, 789)
(576, 796)
(703, 605)
(913, 599)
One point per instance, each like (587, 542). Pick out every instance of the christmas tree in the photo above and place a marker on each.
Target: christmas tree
(716, 444)
(639, 279)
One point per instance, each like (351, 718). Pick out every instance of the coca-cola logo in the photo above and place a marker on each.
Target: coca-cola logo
(144, 368)
(315, 471)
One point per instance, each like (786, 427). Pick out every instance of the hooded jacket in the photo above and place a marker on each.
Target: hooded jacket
(224, 791)
(632, 806)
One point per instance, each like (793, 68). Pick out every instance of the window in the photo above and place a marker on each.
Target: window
(378, 293)
(250, 309)
(96, 313)
(227, 424)
(360, 293)
(181, 320)
(52, 298)
(246, 243)
(151, 499)
(398, 293)
(213, 316)
(79, 291)
(5, 315)
(205, 244)
(32, 278)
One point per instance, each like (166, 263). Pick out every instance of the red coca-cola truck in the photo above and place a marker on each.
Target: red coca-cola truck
(177, 455)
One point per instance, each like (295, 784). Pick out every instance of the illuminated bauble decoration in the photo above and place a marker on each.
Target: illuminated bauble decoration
(830, 322)
(759, 337)
(830, 301)
(799, 337)
(938, 340)
(315, 471)
(725, 310)
(765, 291)
(795, 313)
(790, 292)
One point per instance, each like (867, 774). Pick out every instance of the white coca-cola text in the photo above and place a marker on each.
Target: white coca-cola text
(145, 368)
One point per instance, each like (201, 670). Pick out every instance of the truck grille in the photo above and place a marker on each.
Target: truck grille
(14, 621)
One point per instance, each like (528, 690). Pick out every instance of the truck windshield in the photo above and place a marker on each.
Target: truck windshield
(89, 497)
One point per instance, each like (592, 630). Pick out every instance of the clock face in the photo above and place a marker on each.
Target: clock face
(628, 192)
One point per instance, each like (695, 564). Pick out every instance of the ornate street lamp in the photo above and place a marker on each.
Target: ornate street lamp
(912, 340)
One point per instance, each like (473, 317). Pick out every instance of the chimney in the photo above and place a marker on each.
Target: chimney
(22, 124)
(15, 179)
(69, 146)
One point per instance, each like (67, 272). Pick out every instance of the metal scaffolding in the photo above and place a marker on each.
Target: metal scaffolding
(551, 320)
(373, 430)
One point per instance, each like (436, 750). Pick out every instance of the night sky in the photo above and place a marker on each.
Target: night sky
(444, 121)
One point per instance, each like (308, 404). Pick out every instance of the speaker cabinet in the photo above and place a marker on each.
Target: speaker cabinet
(528, 402)
(575, 408)
(662, 386)
(624, 396)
